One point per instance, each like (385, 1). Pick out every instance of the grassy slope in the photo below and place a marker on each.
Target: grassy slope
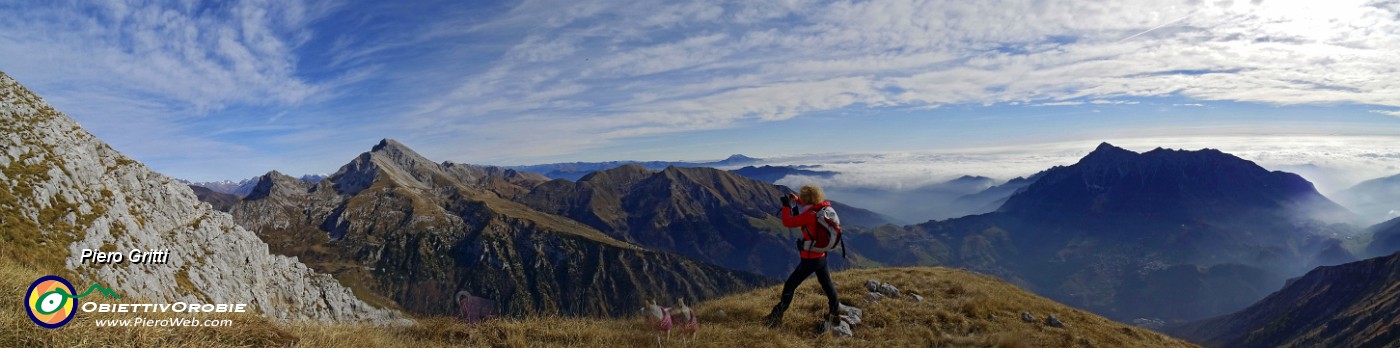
(961, 309)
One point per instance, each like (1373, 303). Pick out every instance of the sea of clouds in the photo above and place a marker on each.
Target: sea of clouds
(1332, 163)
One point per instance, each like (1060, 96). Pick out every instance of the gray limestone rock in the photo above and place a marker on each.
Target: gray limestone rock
(127, 206)
(888, 290)
(851, 314)
(840, 328)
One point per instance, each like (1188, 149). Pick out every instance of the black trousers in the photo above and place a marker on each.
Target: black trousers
(805, 269)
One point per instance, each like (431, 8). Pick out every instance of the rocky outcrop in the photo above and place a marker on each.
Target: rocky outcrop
(888, 290)
(884, 289)
(62, 191)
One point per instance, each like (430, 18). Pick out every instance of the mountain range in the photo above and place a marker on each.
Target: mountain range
(1375, 200)
(938, 201)
(406, 232)
(241, 188)
(238, 188)
(704, 213)
(962, 196)
(573, 171)
(771, 174)
(1168, 234)
(991, 199)
(218, 200)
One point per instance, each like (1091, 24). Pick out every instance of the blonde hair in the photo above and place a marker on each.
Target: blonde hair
(811, 194)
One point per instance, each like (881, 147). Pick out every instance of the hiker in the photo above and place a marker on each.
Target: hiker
(820, 234)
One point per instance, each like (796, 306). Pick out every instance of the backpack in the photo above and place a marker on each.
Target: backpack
(828, 240)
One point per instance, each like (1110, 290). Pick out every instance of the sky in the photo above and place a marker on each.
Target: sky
(233, 89)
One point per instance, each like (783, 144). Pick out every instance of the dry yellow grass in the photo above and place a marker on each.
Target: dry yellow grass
(961, 309)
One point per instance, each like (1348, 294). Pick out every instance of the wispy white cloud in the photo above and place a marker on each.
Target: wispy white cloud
(157, 78)
(1092, 102)
(1395, 113)
(194, 57)
(1060, 103)
(1113, 102)
(720, 67)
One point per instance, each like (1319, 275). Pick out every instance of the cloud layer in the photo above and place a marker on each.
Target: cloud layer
(279, 82)
(1332, 163)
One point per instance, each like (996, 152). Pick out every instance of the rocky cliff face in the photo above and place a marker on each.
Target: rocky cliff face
(410, 233)
(63, 190)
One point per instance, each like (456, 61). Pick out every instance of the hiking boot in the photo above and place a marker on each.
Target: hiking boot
(829, 321)
(775, 317)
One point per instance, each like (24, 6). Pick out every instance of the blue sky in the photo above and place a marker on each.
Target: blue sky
(232, 89)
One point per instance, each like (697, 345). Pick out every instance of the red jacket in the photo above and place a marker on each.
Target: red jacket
(807, 220)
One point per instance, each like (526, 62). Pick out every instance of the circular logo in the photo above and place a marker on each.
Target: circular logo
(50, 301)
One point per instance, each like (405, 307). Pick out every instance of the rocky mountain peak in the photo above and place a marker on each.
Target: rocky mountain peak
(1106, 152)
(396, 153)
(738, 159)
(395, 164)
(275, 182)
(385, 145)
(388, 160)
